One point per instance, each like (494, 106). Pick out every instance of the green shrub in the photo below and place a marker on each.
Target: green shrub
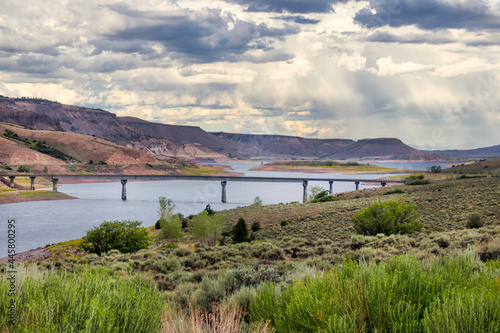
(322, 196)
(257, 201)
(157, 225)
(240, 231)
(208, 228)
(24, 168)
(171, 226)
(316, 191)
(387, 217)
(255, 226)
(417, 176)
(394, 191)
(418, 182)
(124, 236)
(474, 221)
(401, 295)
(209, 210)
(435, 169)
(83, 301)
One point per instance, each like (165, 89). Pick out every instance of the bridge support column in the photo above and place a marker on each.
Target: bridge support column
(54, 184)
(383, 184)
(223, 184)
(32, 187)
(124, 189)
(304, 193)
(11, 181)
(331, 186)
(357, 186)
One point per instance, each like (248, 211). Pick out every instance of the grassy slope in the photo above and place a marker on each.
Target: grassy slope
(315, 237)
(11, 196)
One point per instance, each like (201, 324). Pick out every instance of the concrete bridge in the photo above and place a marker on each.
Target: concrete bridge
(223, 181)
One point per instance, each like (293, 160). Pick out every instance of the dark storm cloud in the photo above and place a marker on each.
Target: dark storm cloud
(200, 37)
(429, 14)
(298, 19)
(385, 37)
(289, 6)
(30, 63)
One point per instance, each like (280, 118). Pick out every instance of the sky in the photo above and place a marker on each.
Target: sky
(424, 71)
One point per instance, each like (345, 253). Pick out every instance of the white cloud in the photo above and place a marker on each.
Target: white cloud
(324, 79)
(386, 67)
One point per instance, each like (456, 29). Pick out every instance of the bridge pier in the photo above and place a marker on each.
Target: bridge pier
(304, 193)
(124, 189)
(11, 181)
(331, 186)
(357, 186)
(32, 187)
(223, 184)
(54, 184)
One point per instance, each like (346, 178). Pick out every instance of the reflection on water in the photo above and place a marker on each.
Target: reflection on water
(46, 222)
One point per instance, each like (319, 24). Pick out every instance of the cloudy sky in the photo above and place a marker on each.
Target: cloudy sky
(424, 71)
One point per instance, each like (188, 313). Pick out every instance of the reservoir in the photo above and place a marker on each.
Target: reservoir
(39, 223)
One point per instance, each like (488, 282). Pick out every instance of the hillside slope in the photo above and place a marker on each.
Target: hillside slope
(82, 148)
(193, 142)
(367, 149)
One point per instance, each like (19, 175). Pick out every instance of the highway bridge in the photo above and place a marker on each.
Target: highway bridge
(223, 180)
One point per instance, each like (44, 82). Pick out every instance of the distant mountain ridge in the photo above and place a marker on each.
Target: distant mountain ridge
(193, 142)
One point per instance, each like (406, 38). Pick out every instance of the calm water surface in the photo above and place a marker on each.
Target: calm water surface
(47, 222)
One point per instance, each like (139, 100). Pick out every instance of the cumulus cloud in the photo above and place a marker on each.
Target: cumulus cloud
(208, 35)
(289, 6)
(431, 14)
(325, 68)
(386, 66)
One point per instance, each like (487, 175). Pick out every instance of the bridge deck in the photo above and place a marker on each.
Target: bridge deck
(215, 178)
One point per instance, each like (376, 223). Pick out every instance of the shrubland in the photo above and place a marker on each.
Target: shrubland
(315, 272)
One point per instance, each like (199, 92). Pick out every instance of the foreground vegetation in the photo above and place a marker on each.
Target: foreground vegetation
(448, 295)
(304, 267)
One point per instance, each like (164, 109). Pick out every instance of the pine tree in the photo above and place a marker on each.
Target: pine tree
(240, 232)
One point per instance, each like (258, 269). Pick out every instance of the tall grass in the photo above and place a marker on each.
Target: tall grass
(221, 319)
(401, 295)
(87, 301)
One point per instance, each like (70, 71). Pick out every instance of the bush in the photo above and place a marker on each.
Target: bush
(257, 202)
(395, 191)
(322, 196)
(255, 226)
(208, 228)
(169, 223)
(124, 236)
(474, 221)
(402, 295)
(171, 226)
(24, 168)
(417, 176)
(388, 217)
(240, 232)
(419, 182)
(209, 210)
(316, 191)
(435, 169)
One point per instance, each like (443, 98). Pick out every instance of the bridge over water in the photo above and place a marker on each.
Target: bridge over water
(223, 180)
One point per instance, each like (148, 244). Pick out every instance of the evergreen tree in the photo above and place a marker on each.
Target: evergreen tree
(240, 232)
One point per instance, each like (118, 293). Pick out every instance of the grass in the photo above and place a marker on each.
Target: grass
(201, 171)
(20, 196)
(90, 300)
(447, 295)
